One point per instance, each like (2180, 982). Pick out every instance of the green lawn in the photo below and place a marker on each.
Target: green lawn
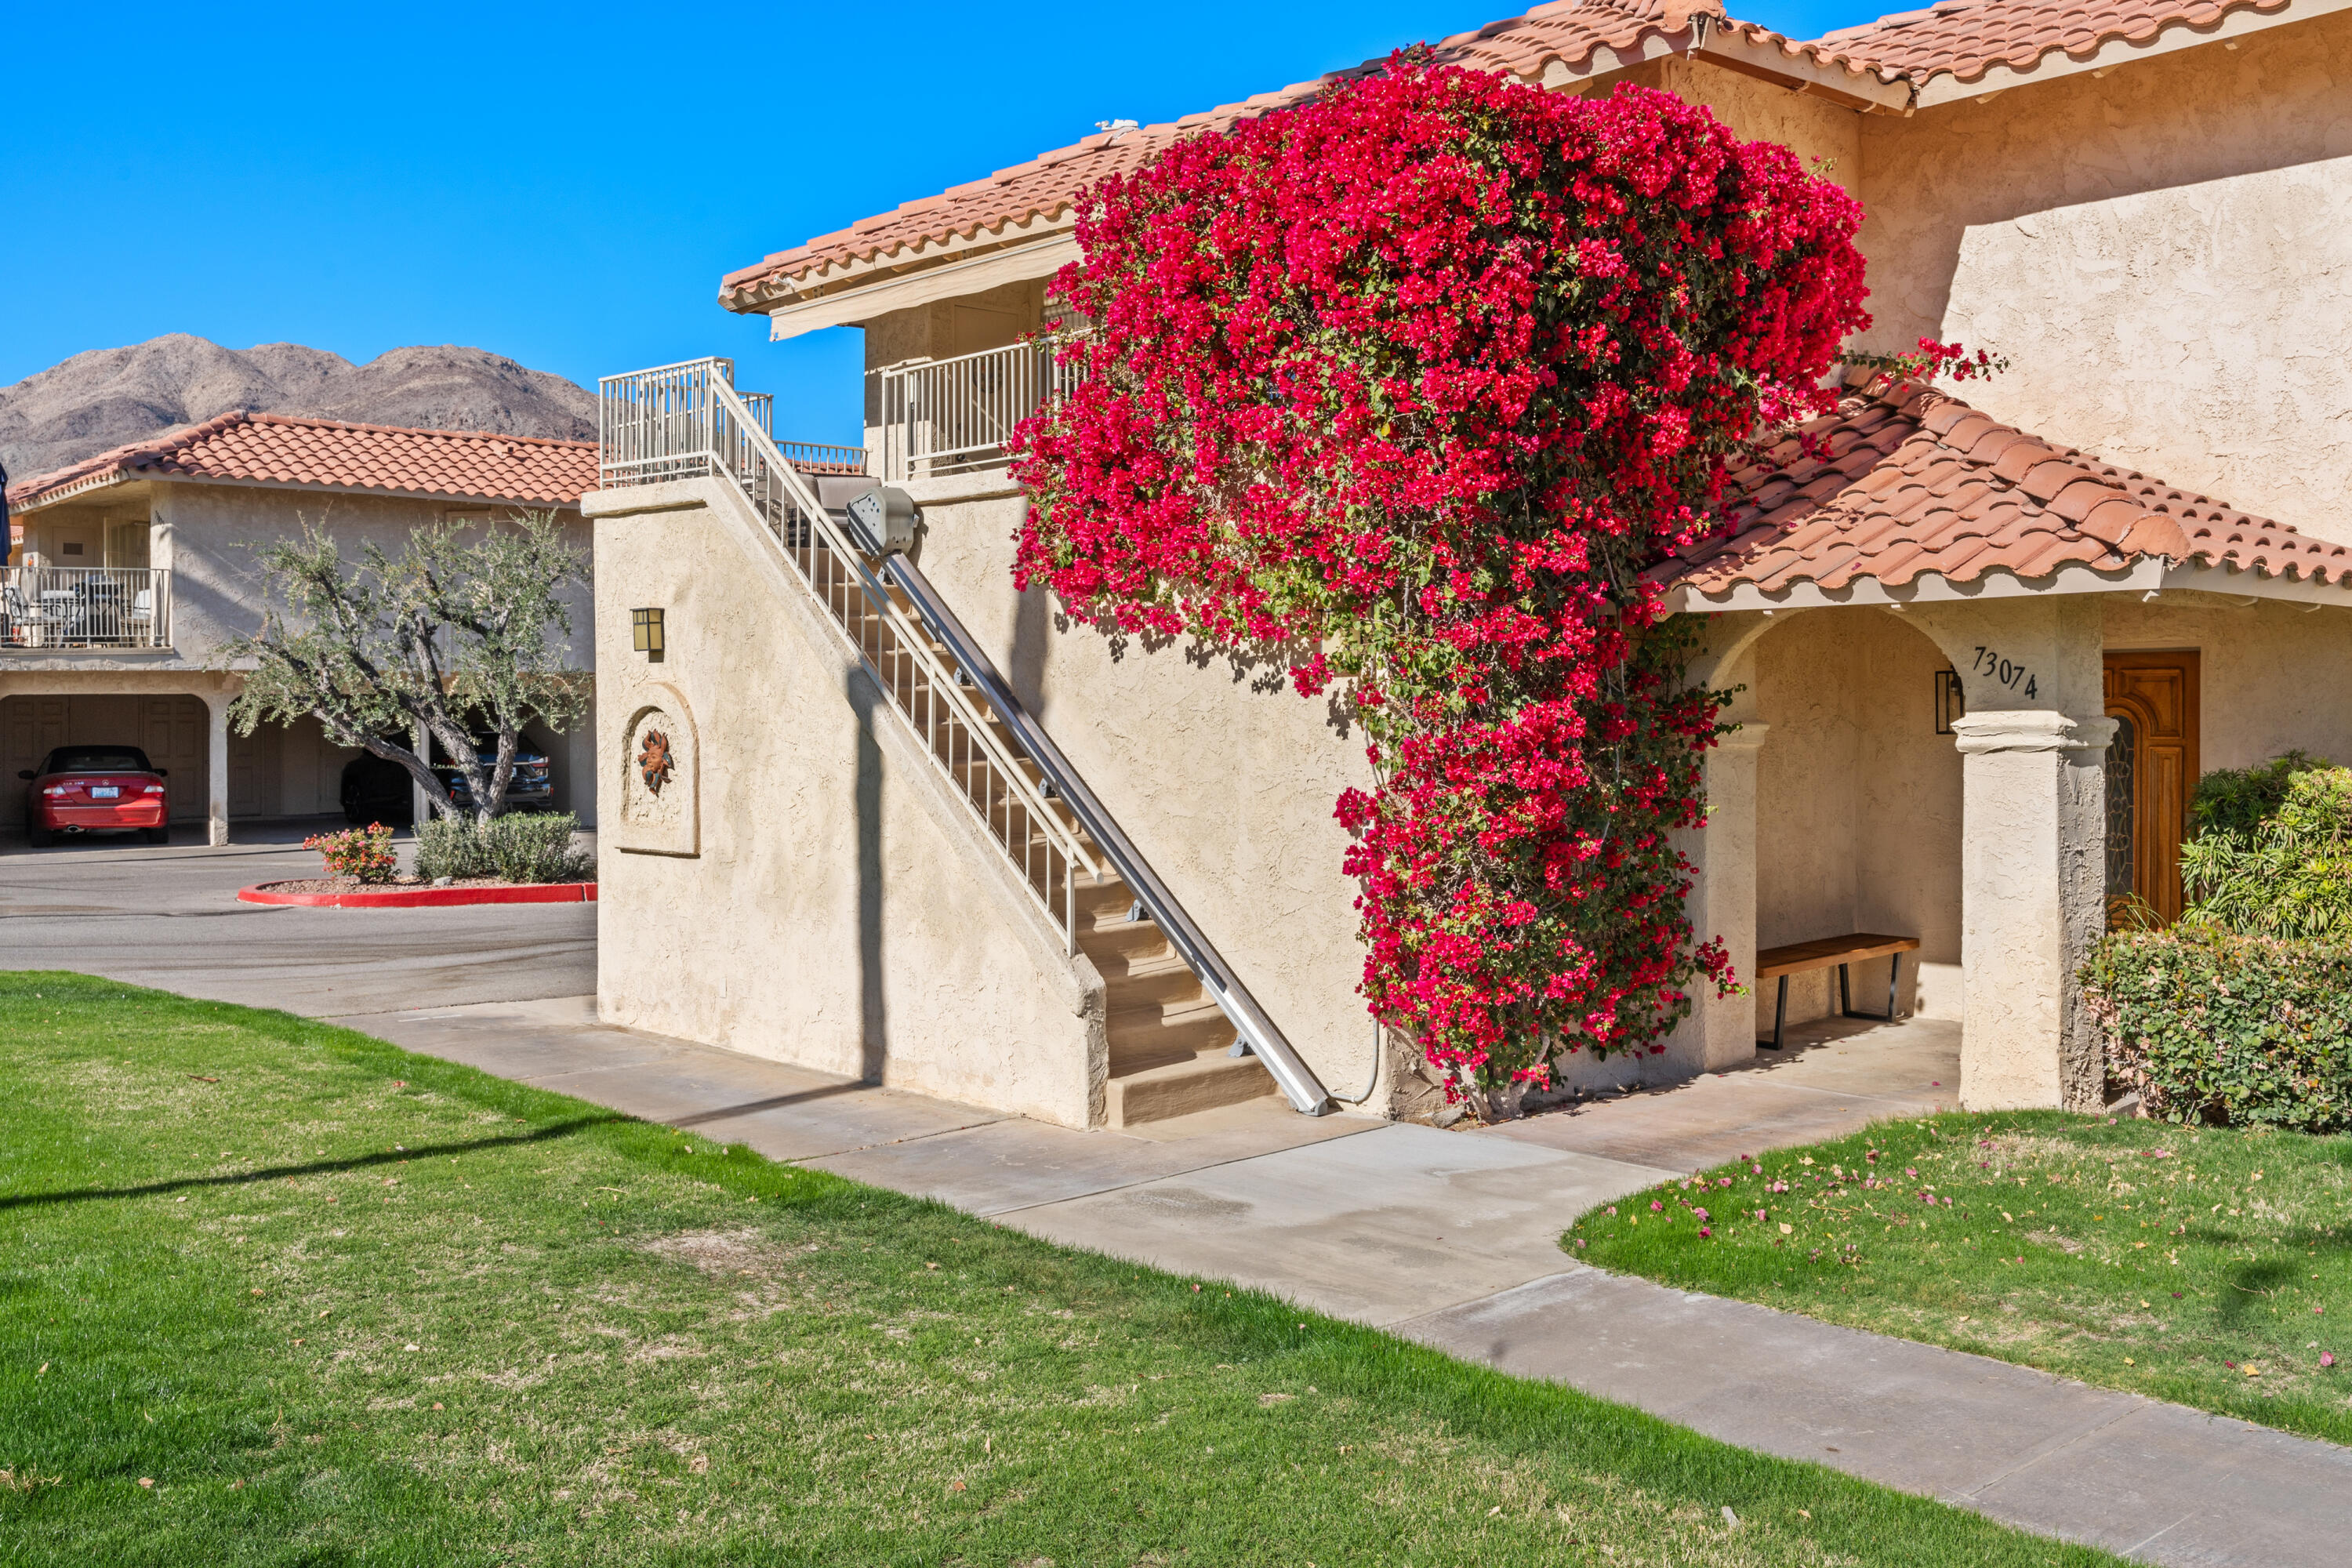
(2203, 1265)
(271, 1292)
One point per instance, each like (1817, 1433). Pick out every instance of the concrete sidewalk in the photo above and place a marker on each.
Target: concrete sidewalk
(1451, 1239)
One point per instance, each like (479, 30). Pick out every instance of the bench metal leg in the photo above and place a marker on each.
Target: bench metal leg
(1779, 1019)
(1846, 996)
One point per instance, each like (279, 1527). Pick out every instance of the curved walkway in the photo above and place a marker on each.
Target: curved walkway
(1449, 1238)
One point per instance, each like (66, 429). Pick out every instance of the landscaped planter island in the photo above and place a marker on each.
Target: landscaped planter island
(506, 860)
(349, 893)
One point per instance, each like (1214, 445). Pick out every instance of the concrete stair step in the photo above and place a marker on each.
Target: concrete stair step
(1147, 963)
(1124, 945)
(1161, 1032)
(1155, 981)
(1199, 1082)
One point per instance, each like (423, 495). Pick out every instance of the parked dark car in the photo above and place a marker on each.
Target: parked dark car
(376, 790)
(531, 787)
(95, 789)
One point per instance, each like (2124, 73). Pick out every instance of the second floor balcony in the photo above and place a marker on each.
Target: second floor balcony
(943, 416)
(94, 607)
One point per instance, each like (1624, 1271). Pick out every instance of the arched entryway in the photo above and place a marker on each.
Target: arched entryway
(1858, 811)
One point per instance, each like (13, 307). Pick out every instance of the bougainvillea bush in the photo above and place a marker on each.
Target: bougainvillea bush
(1407, 385)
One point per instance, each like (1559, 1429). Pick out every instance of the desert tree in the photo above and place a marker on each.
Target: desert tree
(464, 631)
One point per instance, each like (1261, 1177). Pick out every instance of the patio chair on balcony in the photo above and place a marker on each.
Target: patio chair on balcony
(26, 618)
(138, 620)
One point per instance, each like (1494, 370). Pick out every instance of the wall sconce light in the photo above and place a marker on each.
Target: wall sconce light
(1951, 703)
(645, 633)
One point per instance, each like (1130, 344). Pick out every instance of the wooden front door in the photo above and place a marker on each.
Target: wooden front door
(2151, 773)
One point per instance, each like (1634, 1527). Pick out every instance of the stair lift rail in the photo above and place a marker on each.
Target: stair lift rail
(686, 421)
(1295, 1078)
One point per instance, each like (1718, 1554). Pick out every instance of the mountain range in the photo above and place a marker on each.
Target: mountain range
(109, 397)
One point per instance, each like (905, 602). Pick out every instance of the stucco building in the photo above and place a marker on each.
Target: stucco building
(129, 571)
(1983, 647)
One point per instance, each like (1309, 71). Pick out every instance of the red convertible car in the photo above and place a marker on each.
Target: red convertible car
(95, 789)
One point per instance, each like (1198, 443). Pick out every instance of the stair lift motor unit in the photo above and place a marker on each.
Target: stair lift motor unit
(883, 521)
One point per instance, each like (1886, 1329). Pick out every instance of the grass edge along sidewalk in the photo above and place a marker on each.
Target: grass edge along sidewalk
(2207, 1266)
(280, 1292)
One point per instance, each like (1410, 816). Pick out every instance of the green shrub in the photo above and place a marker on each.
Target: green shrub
(2290, 876)
(2240, 800)
(516, 848)
(2213, 1025)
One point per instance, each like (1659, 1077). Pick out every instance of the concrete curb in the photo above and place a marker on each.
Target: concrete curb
(424, 898)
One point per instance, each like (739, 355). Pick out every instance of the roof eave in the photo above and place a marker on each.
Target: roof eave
(2148, 575)
(309, 486)
(85, 485)
(1803, 73)
(2107, 54)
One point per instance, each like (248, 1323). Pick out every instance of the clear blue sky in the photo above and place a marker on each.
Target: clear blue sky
(565, 184)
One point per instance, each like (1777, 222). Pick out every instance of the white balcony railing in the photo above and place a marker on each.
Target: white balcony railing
(85, 607)
(669, 424)
(951, 415)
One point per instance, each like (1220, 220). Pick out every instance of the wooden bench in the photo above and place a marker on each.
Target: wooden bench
(1801, 957)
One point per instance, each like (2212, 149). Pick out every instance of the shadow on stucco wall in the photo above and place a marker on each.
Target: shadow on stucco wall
(1024, 661)
(872, 1022)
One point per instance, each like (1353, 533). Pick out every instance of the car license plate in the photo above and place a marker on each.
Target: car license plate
(105, 791)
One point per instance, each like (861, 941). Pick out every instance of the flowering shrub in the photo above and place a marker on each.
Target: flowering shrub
(364, 853)
(1407, 386)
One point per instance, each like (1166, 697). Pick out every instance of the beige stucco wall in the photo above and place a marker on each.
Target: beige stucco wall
(2161, 252)
(1225, 779)
(837, 911)
(1858, 807)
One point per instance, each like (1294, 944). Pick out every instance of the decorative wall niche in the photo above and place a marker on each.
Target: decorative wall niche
(660, 777)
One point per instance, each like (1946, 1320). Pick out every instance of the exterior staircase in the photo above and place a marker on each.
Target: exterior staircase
(1183, 1032)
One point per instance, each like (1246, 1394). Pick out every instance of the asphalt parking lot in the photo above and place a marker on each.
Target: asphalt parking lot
(167, 916)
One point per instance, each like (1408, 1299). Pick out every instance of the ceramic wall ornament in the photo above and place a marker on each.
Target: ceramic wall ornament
(654, 761)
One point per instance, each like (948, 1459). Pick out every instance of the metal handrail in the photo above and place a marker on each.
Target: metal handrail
(910, 636)
(1298, 1082)
(687, 420)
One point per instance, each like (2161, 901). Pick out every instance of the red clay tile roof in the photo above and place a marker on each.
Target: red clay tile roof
(1911, 481)
(240, 448)
(1966, 38)
(1567, 31)
(1963, 37)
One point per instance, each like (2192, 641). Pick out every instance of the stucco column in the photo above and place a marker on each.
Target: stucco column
(217, 768)
(2032, 879)
(1721, 1030)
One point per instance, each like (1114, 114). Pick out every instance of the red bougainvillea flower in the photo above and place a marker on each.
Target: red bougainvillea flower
(1408, 387)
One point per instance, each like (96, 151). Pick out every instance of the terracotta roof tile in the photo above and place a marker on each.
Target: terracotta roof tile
(1960, 495)
(1958, 37)
(1965, 38)
(278, 448)
(1567, 32)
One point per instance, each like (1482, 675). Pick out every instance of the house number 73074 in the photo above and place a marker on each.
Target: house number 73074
(1992, 666)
